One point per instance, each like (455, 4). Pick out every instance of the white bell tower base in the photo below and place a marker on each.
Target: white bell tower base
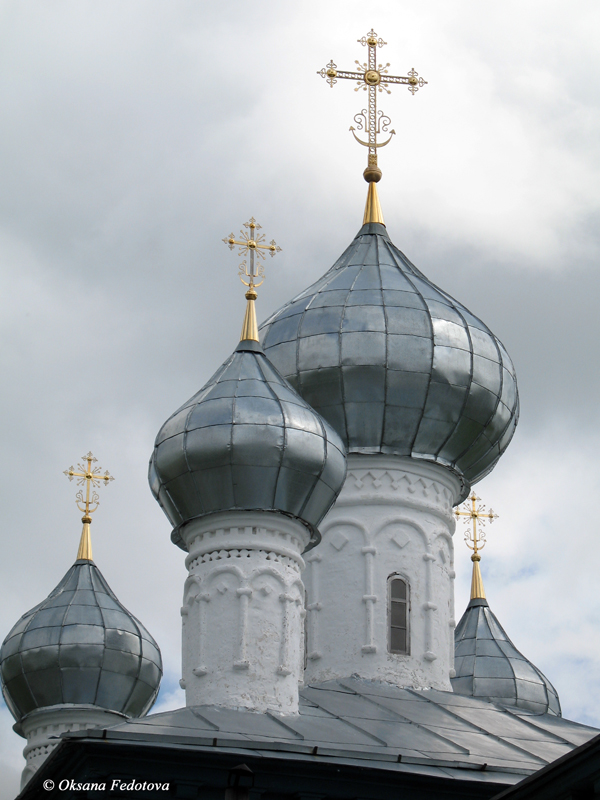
(243, 611)
(393, 517)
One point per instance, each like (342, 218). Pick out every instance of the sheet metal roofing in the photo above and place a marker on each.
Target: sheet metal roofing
(394, 363)
(246, 441)
(80, 646)
(390, 727)
(488, 665)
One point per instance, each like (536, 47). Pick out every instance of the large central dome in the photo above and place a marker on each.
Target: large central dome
(394, 363)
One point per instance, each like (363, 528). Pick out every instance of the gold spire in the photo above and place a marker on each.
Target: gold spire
(372, 77)
(373, 211)
(475, 539)
(92, 478)
(249, 327)
(85, 544)
(252, 243)
(477, 590)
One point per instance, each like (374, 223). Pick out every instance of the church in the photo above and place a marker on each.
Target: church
(314, 485)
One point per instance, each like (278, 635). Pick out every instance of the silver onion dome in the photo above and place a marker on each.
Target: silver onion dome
(394, 364)
(246, 441)
(80, 646)
(488, 665)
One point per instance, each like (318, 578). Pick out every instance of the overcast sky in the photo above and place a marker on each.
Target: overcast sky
(136, 134)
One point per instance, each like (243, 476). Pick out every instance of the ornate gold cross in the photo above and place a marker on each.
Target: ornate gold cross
(373, 77)
(91, 477)
(476, 514)
(475, 539)
(251, 242)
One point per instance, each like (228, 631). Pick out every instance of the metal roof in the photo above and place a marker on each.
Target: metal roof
(355, 720)
(576, 774)
(394, 363)
(488, 664)
(248, 441)
(80, 646)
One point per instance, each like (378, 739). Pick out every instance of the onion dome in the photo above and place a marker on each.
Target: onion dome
(489, 666)
(246, 442)
(394, 363)
(486, 662)
(80, 646)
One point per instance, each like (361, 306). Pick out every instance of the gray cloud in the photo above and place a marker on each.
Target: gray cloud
(135, 136)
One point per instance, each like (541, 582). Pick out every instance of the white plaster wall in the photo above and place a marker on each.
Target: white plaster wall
(393, 516)
(243, 611)
(43, 728)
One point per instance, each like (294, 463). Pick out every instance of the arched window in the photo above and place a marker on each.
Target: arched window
(398, 607)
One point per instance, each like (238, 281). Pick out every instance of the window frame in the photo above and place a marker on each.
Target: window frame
(391, 578)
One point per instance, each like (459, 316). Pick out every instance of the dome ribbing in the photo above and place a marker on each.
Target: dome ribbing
(394, 363)
(246, 441)
(80, 646)
(488, 665)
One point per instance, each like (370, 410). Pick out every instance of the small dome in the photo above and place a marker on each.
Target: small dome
(80, 646)
(246, 441)
(488, 665)
(394, 364)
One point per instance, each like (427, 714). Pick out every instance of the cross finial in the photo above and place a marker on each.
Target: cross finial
(475, 538)
(372, 77)
(87, 503)
(252, 246)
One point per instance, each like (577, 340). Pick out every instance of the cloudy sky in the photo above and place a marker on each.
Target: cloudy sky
(135, 134)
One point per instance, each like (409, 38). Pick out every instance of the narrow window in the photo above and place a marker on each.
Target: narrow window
(305, 631)
(398, 614)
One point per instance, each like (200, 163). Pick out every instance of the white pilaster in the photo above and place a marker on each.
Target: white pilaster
(243, 611)
(43, 728)
(393, 517)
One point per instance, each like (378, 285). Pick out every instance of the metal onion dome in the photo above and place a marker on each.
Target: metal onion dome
(246, 441)
(394, 363)
(80, 646)
(489, 666)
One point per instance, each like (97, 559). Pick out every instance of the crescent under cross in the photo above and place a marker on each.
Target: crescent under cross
(87, 503)
(372, 77)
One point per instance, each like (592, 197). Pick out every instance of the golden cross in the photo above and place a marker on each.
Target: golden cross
(475, 514)
(252, 242)
(372, 77)
(91, 477)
